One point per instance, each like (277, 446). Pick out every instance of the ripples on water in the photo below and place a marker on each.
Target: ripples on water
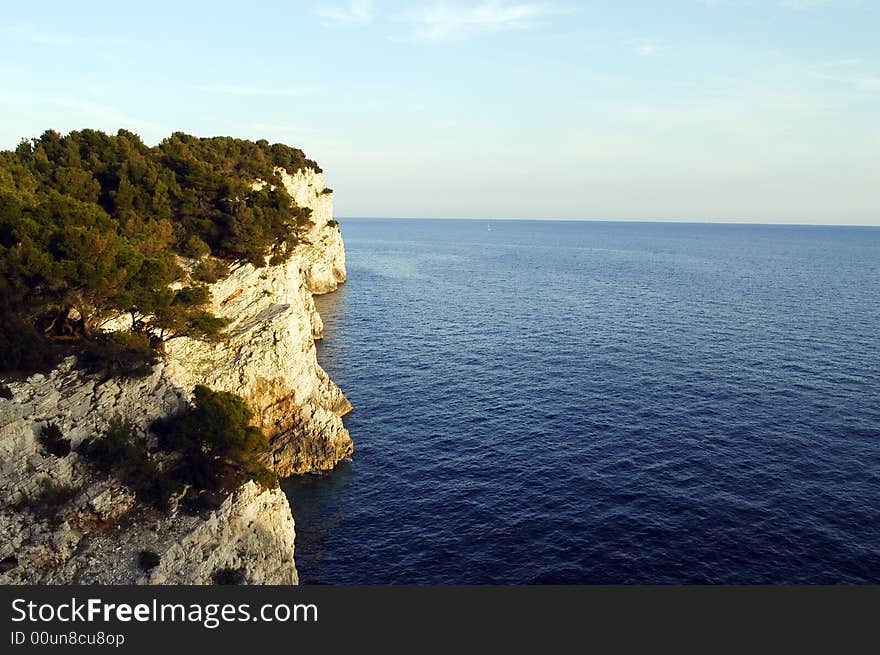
(552, 402)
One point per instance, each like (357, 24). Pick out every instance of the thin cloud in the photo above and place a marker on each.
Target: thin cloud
(95, 111)
(846, 62)
(837, 72)
(355, 13)
(313, 142)
(867, 83)
(445, 22)
(643, 46)
(32, 35)
(798, 5)
(813, 4)
(236, 90)
(647, 49)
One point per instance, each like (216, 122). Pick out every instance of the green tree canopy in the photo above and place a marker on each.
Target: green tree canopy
(91, 226)
(218, 442)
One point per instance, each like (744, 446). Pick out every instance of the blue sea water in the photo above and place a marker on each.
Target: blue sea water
(585, 402)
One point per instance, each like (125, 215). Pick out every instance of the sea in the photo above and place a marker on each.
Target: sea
(560, 402)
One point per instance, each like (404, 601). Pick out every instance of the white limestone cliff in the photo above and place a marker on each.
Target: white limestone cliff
(98, 529)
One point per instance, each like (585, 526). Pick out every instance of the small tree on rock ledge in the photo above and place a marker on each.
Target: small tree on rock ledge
(219, 446)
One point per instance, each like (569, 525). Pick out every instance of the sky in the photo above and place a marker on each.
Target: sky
(692, 110)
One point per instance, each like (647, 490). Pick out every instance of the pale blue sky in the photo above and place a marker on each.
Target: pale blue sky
(734, 110)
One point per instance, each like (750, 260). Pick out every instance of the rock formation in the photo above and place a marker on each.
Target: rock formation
(61, 522)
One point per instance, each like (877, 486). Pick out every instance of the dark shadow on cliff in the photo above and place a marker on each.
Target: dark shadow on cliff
(316, 500)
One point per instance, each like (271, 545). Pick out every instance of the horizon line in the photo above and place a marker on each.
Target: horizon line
(608, 220)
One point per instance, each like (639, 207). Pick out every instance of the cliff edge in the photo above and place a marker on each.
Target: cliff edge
(62, 522)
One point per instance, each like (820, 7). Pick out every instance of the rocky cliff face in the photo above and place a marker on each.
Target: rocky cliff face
(60, 522)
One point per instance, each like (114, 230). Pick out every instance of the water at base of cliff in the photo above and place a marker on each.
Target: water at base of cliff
(576, 402)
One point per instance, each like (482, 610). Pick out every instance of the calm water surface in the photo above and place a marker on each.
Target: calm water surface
(573, 402)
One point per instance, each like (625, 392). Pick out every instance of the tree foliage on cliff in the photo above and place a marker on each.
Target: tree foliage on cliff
(90, 224)
(210, 447)
(219, 445)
